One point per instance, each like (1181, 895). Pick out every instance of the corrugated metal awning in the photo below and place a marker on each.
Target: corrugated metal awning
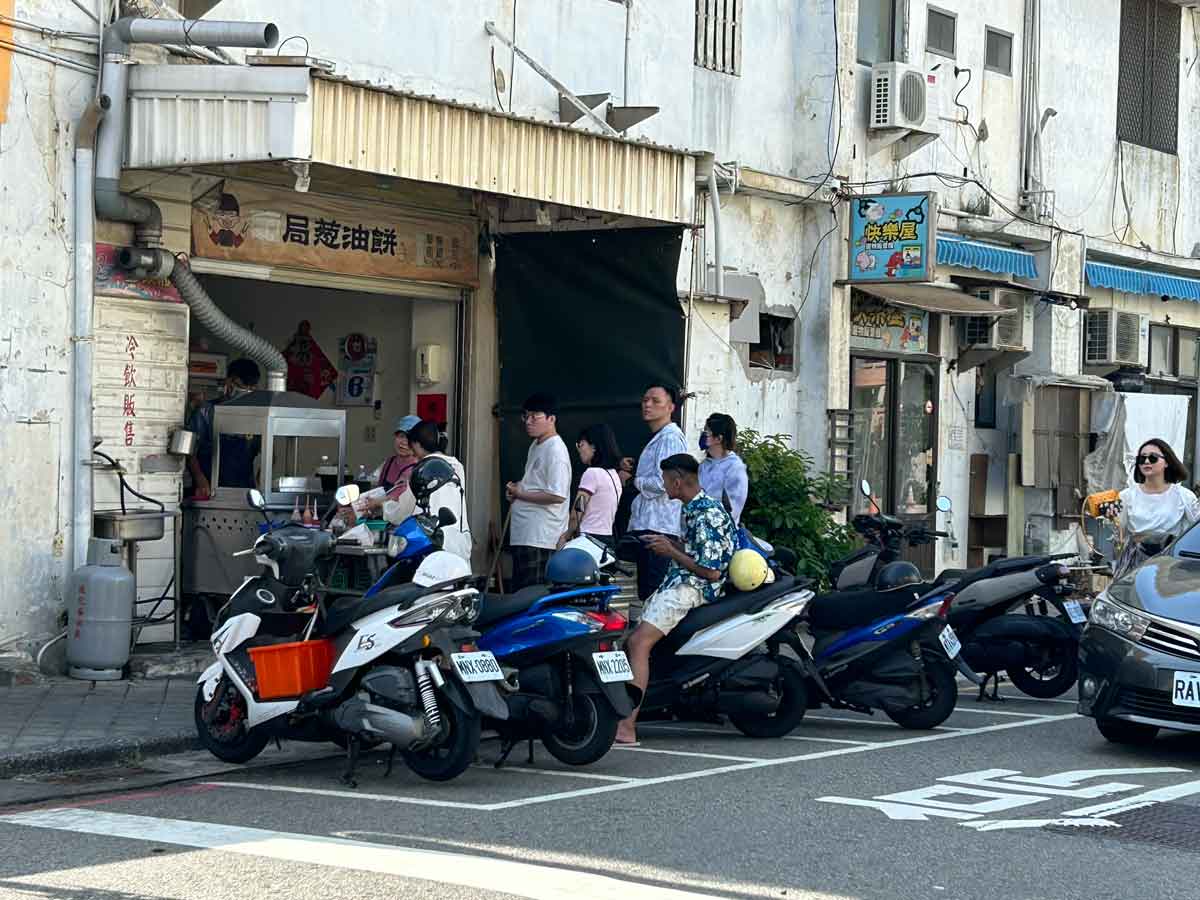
(193, 115)
(1142, 281)
(953, 250)
(935, 299)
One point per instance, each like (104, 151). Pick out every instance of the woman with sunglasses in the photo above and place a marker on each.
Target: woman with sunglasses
(723, 474)
(1157, 504)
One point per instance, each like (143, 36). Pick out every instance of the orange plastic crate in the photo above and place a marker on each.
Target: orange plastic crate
(289, 670)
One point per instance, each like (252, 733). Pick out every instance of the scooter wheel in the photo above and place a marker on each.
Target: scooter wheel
(792, 690)
(1063, 669)
(221, 725)
(944, 687)
(456, 751)
(589, 738)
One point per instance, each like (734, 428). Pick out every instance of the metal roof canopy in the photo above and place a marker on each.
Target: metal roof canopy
(934, 298)
(202, 115)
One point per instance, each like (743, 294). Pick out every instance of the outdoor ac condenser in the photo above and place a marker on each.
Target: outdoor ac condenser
(903, 96)
(1012, 333)
(1115, 338)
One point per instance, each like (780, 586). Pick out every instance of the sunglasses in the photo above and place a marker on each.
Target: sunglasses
(1150, 458)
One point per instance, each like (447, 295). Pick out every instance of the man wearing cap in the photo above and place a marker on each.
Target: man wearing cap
(696, 569)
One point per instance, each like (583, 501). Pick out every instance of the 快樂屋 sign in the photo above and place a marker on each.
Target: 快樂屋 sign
(892, 237)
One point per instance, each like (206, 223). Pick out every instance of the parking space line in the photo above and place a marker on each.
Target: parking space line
(557, 773)
(848, 721)
(800, 737)
(1029, 699)
(728, 733)
(1000, 712)
(346, 795)
(688, 753)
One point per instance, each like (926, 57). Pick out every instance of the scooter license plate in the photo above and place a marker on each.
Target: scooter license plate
(1075, 612)
(480, 666)
(612, 666)
(950, 642)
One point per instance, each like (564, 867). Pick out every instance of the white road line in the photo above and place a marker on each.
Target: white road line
(688, 753)
(725, 732)
(801, 737)
(848, 721)
(1000, 712)
(520, 879)
(557, 773)
(1029, 699)
(868, 747)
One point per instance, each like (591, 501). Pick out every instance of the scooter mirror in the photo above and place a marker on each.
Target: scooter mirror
(446, 518)
(864, 488)
(255, 498)
(943, 503)
(346, 494)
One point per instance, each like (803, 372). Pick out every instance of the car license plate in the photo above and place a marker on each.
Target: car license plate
(950, 642)
(1186, 690)
(481, 666)
(1075, 612)
(613, 666)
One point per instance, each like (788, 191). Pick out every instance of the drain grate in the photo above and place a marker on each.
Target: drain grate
(1171, 825)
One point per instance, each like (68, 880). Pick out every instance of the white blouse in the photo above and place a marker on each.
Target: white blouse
(1172, 512)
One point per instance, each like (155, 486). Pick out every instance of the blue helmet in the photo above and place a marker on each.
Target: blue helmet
(571, 566)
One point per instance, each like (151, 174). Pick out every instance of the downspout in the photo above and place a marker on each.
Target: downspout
(81, 340)
(714, 200)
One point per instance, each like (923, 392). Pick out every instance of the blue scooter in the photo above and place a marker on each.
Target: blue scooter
(565, 682)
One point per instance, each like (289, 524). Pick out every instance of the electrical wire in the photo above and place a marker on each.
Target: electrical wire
(47, 56)
(292, 38)
(835, 109)
(813, 259)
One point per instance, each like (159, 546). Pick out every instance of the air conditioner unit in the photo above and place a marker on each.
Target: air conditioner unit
(1006, 334)
(1115, 338)
(903, 96)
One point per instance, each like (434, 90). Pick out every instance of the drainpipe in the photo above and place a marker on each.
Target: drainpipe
(81, 340)
(714, 200)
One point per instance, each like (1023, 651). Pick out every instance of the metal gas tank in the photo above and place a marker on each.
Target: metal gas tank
(100, 603)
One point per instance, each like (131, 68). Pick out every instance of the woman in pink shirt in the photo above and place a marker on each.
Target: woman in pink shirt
(599, 492)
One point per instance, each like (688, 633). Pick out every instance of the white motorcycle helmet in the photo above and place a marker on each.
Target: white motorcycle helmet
(439, 567)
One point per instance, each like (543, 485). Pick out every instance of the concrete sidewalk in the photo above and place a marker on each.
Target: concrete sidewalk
(68, 724)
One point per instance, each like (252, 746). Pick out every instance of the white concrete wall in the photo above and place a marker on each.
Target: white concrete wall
(36, 141)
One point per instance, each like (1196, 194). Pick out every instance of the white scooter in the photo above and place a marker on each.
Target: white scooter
(400, 666)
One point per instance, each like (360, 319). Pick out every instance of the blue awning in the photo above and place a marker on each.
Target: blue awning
(1141, 281)
(953, 250)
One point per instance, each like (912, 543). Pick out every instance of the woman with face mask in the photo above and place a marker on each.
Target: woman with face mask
(1156, 508)
(723, 475)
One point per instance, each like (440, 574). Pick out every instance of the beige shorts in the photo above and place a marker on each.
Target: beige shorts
(666, 608)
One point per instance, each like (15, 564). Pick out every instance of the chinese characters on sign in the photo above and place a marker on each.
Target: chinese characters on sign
(248, 223)
(129, 404)
(874, 325)
(892, 237)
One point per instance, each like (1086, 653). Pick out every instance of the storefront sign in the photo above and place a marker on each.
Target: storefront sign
(874, 325)
(356, 370)
(892, 237)
(247, 223)
(113, 281)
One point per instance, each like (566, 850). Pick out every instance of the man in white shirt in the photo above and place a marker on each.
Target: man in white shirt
(654, 512)
(539, 499)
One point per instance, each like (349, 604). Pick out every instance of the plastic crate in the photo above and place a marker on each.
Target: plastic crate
(289, 670)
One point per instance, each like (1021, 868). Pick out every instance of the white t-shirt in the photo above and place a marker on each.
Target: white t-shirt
(1171, 512)
(547, 470)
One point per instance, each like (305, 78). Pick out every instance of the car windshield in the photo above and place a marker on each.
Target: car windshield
(1189, 543)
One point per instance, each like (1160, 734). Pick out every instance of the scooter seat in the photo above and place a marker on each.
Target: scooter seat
(501, 606)
(843, 610)
(731, 604)
(347, 609)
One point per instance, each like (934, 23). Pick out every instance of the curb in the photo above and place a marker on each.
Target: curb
(89, 756)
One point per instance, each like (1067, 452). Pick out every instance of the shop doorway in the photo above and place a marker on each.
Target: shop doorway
(893, 402)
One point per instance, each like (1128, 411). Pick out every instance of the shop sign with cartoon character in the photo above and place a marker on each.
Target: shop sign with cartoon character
(892, 237)
(875, 325)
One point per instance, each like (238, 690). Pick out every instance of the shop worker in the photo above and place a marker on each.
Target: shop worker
(539, 499)
(653, 512)
(696, 569)
(393, 472)
(238, 451)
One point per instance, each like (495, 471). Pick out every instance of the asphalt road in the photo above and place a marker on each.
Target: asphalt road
(1017, 800)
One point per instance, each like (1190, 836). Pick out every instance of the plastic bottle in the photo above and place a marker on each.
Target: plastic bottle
(307, 518)
(296, 510)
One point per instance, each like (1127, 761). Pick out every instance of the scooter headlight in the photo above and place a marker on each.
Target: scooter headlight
(1107, 614)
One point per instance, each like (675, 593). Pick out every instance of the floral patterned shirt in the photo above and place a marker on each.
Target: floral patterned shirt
(709, 538)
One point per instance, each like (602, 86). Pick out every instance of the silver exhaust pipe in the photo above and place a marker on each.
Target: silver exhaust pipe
(357, 716)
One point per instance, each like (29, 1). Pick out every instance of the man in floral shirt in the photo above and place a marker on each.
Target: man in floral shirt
(696, 574)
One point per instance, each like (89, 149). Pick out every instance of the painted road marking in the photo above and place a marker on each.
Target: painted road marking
(730, 733)
(519, 879)
(687, 753)
(998, 712)
(519, 769)
(846, 720)
(733, 768)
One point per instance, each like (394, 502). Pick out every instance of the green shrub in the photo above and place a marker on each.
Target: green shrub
(786, 500)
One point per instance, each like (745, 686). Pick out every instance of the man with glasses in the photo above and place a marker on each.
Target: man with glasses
(539, 499)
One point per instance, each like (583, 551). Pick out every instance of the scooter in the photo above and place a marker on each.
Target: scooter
(565, 682)
(728, 658)
(398, 667)
(1037, 650)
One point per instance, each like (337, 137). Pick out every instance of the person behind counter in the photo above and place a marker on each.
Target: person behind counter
(394, 471)
(238, 452)
(427, 440)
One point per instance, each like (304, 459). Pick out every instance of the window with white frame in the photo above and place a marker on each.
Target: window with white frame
(1148, 74)
(719, 35)
(876, 31)
(998, 51)
(941, 32)
(1173, 352)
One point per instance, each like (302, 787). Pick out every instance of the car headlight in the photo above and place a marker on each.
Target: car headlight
(396, 545)
(1125, 622)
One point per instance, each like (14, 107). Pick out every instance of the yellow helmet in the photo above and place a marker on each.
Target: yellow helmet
(748, 570)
